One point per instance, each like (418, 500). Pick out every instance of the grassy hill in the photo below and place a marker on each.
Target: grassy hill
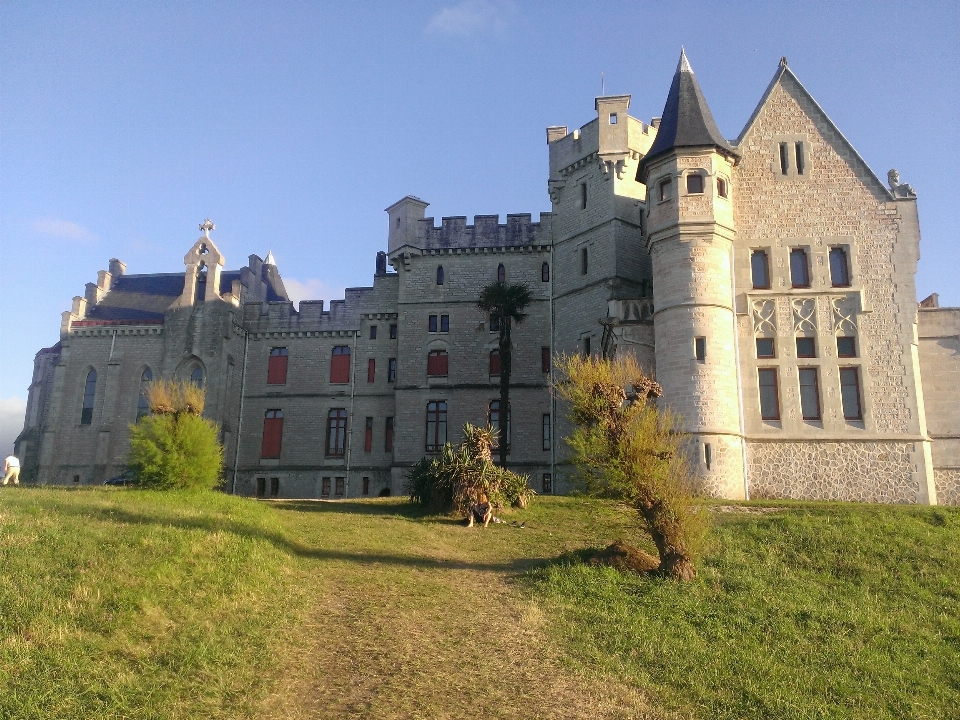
(118, 603)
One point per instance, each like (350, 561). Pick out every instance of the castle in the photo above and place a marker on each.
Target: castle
(768, 281)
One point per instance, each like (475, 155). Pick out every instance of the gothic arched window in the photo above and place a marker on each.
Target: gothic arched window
(196, 376)
(143, 403)
(89, 393)
(501, 273)
(439, 274)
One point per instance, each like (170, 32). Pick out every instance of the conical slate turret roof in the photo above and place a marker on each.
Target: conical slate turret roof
(687, 121)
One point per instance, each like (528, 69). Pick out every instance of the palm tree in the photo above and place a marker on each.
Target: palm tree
(506, 304)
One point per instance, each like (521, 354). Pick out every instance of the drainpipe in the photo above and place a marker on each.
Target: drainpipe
(243, 384)
(350, 417)
(736, 349)
(553, 399)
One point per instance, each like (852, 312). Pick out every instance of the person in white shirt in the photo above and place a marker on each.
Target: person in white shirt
(11, 470)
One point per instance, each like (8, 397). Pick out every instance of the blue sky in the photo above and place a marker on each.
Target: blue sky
(293, 125)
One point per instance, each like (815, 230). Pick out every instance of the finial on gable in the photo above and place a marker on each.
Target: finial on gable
(206, 226)
(684, 64)
(269, 259)
(783, 61)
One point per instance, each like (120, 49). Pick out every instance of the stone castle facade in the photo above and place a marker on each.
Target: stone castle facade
(768, 281)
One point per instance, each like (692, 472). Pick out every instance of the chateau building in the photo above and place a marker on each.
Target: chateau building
(768, 281)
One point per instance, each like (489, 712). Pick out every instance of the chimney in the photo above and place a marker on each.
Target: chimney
(381, 264)
(117, 267)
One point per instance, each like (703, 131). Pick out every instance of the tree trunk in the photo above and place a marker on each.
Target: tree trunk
(675, 562)
(505, 361)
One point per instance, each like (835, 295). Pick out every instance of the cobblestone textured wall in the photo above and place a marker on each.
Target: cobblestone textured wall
(859, 471)
(948, 486)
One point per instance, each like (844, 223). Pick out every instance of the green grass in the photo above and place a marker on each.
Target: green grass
(118, 603)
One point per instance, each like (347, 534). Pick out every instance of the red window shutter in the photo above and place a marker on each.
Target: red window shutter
(371, 370)
(437, 363)
(277, 370)
(340, 369)
(368, 436)
(272, 436)
(494, 362)
(442, 363)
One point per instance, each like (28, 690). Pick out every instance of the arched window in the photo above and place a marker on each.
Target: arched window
(439, 274)
(545, 272)
(493, 417)
(196, 376)
(201, 282)
(501, 273)
(143, 403)
(89, 393)
(437, 363)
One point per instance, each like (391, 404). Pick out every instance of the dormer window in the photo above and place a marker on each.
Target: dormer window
(694, 184)
(663, 189)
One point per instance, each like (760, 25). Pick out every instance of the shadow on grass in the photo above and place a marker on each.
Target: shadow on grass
(218, 524)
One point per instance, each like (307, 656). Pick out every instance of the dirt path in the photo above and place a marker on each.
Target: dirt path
(437, 637)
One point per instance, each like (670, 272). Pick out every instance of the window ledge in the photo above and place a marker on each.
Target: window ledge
(269, 462)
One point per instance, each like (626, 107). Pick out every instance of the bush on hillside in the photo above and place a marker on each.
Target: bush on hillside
(175, 448)
(624, 447)
(454, 480)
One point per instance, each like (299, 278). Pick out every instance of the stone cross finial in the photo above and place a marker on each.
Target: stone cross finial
(207, 225)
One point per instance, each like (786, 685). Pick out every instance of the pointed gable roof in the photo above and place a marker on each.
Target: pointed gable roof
(784, 76)
(687, 121)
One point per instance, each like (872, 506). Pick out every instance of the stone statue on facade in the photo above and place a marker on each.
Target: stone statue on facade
(897, 188)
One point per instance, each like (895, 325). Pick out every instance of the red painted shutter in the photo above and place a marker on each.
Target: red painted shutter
(340, 369)
(437, 364)
(277, 370)
(371, 370)
(494, 362)
(272, 436)
(442, 363)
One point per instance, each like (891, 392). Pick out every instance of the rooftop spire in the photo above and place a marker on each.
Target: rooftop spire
(269, 259)
(687, 120)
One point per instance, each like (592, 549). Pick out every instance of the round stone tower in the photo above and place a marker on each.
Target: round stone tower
(690, 233)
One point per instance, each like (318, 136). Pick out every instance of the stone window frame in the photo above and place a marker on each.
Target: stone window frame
(721, 178)
(792, 142)
(664, 185)
(699, 172)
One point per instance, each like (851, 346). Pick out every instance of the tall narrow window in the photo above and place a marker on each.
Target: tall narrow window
(584, 261)
(393, 332)
(371, 370)
(340, 365)
(261, 487)
(546, 431)
(846, 347)
(799, 268)
(586, 346)
(700, 349)
(663, 189)
(545, 359)
(801, 164)
(494, 362)
(722, 187)
(368, 435)
(694, 184)
(501, 273)
(613, 118)
(436, 425)
(784, 159)
(760, 269)
(494, 322)
(432, 324)
(437, 364)
(439, 274)
(277, 366)
(366, 485)
(388, 435)
(392, 370)
(143, 402)
(583, 196)
(545, 272)
(493, 417)
(89, 394)
(444, 323)
(839, 270)
(336, 432)
(272, 434)
(274, 487)
(546, 483)
(850, 393)
(196, 376)
(708, 455)
(769, 395)
(809, 394)
(339, 487)
(373, 332)
(325, 484)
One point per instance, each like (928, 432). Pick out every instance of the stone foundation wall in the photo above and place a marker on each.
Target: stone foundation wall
(859, 471)
(947, 481)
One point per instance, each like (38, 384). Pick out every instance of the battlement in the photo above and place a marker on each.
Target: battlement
(486, 231)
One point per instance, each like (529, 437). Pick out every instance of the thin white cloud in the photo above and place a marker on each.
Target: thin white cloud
(471, 17)
(12, 411)
(63, 229)
(312, 289)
